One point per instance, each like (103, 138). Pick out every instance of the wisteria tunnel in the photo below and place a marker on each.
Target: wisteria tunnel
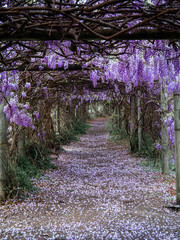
(63, 62)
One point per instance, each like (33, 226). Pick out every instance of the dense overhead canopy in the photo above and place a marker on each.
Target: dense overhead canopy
(84, 37)
(101, 26)
(91, 19)
(69, 53)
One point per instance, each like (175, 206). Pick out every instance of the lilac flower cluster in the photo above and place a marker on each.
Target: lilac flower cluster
(16, 113)
(140, 67)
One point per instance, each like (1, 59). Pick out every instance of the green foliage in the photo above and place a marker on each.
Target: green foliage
(134, 144)
(80, 127)
(67, 136)
(148, 150)
(148, 147)
(150, 165)
(36, 160)
(39, 156)
(22, 178)
(77, 128)
(151, 156)
(25, 168)
(116, 133)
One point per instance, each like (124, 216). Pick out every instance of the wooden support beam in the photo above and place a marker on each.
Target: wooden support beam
(132, 121)
(21, 142)
(140, 122)
(3, 150)
(177, 143)
(101, 34)
(58, 118)
(164, 135)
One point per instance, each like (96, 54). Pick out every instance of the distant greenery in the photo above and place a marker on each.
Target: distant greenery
(77, 127)
(148, 150)
(152, 156)
(116, 133)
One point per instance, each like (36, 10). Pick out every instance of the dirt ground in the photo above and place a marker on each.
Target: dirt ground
(98, 191)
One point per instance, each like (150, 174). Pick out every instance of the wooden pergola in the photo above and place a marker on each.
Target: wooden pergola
(28, 25)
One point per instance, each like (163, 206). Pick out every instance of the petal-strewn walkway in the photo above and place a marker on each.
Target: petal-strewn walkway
(99, 191)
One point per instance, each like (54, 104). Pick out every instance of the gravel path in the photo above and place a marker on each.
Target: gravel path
(98, 191)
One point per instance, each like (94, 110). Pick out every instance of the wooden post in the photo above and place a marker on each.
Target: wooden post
(58, 118)
(177, 143)
(132, 121)
(164, 135)
(123, 118)
(116, 115)
(78, 113)
(133, 112)
(83, 111)
(21, 142)
(140, 123)
(3, 150)
(87, 111)
(68, 122)
(119, 116)
(40, 122)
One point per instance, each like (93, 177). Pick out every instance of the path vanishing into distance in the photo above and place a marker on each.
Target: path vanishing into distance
(98, 191)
